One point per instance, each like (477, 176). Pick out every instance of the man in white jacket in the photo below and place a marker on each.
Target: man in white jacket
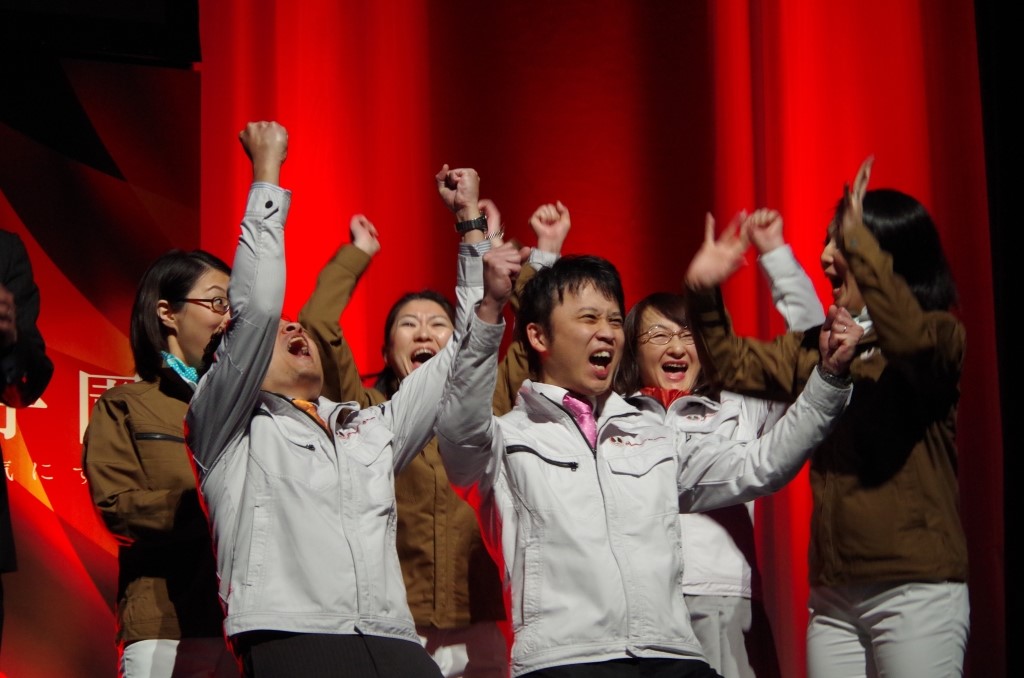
(300, 489)
(582, 506)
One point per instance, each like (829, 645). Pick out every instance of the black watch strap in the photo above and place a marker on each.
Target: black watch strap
(478, 224)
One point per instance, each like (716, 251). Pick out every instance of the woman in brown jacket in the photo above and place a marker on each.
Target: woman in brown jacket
(142, 483)
(887, 556)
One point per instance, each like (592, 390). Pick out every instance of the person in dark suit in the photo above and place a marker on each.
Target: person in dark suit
(24, 368)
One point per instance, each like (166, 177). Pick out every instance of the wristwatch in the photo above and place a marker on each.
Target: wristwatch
(478, 224)
(833, 379)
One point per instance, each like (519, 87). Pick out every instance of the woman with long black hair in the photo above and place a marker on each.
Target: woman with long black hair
(887, 556)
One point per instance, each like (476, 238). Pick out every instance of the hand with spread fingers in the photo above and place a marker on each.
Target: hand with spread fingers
(853, 212)
(718, 258)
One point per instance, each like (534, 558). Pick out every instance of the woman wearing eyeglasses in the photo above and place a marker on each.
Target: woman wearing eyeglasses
(141, 480)
(662, 370)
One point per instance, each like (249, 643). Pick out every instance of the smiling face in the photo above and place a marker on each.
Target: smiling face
(845, 292)
(581, 349)
(421, 329)
(295, 369)
(672, 366)
(190, 325)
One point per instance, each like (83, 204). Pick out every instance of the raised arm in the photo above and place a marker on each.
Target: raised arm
(227, 393)
(414, 407)
(417, 401)
(928, 345)
(465, 425)
(718, 472)
(321, 313)
(718, 258)
(792, 290)
(774, 370)
(550, 223)
(792, 294)
(25, 370)
(904, 329)
(460, 192)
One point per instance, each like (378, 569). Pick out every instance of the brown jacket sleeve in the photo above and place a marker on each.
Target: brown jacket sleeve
(138, 469)
(320, 315)
(775, 370)
(926, 346)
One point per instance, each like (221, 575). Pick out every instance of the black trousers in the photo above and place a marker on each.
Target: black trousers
(273, 654)
(631, 668)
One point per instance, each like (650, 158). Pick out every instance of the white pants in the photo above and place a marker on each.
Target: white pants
(887, 630)
(721, 624)
(475, 651)
(186, 658)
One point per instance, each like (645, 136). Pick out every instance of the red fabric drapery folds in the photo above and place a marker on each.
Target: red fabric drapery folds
(640, 117)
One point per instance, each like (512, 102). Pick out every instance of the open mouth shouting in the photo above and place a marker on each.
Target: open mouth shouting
(298, 345)
(601, 360)
(845, 291)
(836, 281)
(675, 370)
(421, 355)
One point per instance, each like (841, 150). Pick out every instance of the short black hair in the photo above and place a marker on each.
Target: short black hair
(544, 291)
(905, 230)
(387, 381)
(169, 278)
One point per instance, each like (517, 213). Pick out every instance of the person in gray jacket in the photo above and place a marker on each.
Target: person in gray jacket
(299, 489)
(580, 491)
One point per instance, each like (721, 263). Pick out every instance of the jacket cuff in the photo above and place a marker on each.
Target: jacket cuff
(706, 306)
(352, 259)
(826, 397)
(470, 271)
(477, 249)
(484, 334)
(779, 263)
(540, 259)
(269, 202)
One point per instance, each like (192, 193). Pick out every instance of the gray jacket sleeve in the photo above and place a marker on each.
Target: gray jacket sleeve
(792, 291)
(796, 301)
(470, 286)
(415, 407)
(716, 471)
(227, 395)
(465, 425)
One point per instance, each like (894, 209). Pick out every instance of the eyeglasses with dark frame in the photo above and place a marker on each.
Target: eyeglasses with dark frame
(218, 305)
(659, 336)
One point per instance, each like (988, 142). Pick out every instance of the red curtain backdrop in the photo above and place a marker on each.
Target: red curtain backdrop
(640, 117)
(99, 177)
